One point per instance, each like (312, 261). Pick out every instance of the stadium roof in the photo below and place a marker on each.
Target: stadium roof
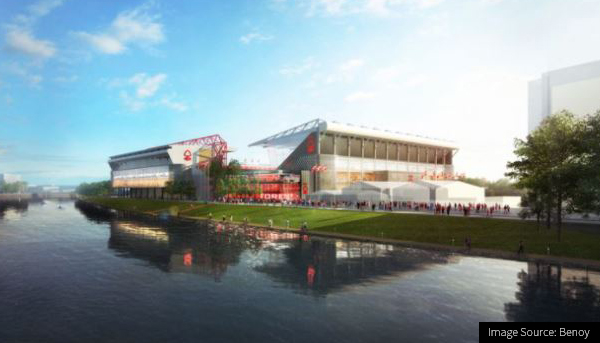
(290, 138)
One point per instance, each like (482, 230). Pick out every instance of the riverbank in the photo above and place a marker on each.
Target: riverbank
(489, 237)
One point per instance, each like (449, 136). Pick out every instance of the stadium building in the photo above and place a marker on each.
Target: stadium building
(327, 161)
(145, 173)
(329, 156)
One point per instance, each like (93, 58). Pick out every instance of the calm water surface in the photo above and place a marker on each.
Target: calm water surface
(68, 276)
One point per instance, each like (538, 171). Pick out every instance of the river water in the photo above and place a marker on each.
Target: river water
(71, 276)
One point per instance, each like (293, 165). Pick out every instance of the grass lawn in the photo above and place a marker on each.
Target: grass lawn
(488, 233)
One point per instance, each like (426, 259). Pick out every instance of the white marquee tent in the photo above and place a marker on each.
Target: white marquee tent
(375, 191)
(453, 191)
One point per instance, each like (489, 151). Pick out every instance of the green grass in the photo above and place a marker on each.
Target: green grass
(488, 233)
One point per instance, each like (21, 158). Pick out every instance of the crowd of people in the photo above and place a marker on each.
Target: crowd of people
(435, 208)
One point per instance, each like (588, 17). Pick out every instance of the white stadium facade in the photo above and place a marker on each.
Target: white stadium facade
(328, 161)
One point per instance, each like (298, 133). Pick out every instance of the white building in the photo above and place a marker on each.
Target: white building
(9, 178)
(576, 89)
(453, 191)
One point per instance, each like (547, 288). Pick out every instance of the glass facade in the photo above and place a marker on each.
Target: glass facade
(350, 159)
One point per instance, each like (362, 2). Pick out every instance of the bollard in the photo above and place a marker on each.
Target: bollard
(231, 218)
(287, 223)
(270, 222)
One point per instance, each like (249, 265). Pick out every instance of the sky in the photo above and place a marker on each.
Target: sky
(81, 80)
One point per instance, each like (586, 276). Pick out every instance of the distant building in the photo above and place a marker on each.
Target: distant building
(576, 89)
(9, 178)
(43, 189)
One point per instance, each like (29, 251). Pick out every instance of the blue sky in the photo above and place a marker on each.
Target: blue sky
(83, 80)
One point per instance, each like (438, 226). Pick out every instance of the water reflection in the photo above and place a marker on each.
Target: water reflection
(319, 267)
(12, 208)
(182, 247)
(550, 293)
(305, 264)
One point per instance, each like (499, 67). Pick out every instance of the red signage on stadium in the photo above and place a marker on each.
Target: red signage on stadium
(187, 155)
(310, 144)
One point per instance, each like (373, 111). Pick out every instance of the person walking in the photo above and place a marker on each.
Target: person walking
(521, 248)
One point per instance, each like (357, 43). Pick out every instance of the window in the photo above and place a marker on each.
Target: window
(440, 156)
(430, 155)
(381, 150)
(403, 152)
(355, 147)
(422, 155)
(327, 144)
(449, 157)
(412, 153)
(392, 151)
(369, 148)
(341, 146)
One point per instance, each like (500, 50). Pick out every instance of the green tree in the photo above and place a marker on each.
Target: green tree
(549, 163)
(587, 196)
(13, 187)
(500, 187)
(224, 178)
(100, 188)
(169, 188)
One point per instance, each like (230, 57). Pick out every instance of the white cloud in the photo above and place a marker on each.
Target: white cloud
(19, 36)
(386, 74)
(133, 27)
(132, 103)
(359, 96)
(174, 105)
(103, 43)
(42, 8)
(352, 64)
(293, 70)
(147, 85)
(22, 41)
(374, 7)
(345, 71)
(254, 36)
(36, 11)
(379, 7)
(427, 3)
(137, 92)
(329, 6)
(17, 69)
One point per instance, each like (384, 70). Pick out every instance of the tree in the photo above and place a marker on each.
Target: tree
(169, 188)
(549, 163)
(587, 196)
(94, 188)
(500, 187)
(224, 178)
(13, 187)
